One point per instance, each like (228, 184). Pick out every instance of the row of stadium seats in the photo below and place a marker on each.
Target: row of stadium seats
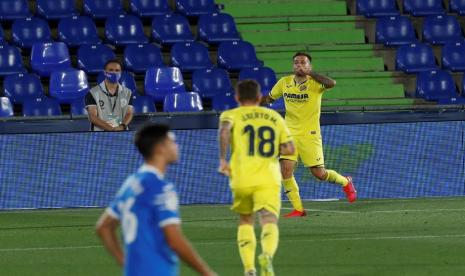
(175, 102)
(46, 57)
(55, 9)
(399, 30)
(207, 82)
(377, 8)
(417, 57)
(123, 30)
(71, 86)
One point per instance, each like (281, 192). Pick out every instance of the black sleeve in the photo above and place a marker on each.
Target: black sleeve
(90, 100)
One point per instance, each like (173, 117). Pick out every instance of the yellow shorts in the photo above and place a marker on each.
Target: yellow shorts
(249, 200)
(309, 149)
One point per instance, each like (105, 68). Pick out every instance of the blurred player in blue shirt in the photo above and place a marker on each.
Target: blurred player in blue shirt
(147, 208)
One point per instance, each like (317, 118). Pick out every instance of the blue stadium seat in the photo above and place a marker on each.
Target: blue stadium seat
(453, 56)
(78, 107)
(161, 81)
(183, 102)
(20, 87)
(395, 31)
(143, 104)
(99, 9)
(377, 8)
(457, 6)
(236, 55)
(416, 57)
(211, 82)
(435, 85)
(68, 85)
(78, 30)
(217, 27)
(265, 76)
(11, 61)
(55, 9)
(223, 102)
(92, 58)
(48, 57)
(440, 29)
(41, 107)
(423, 7)
(190, 56)
(196, 7)
(27, 31)
(171, 28)
(149, 8)
(6, 109)
(14, 9)
(127, 80)
(139, 57)
(124, 29)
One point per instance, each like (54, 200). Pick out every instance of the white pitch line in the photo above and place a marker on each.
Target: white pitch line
(420, 210)
(232, 241)
(394, 200)
(382, 211)
(379, 238)
(325, 211)
(49, 248)
(352, 239)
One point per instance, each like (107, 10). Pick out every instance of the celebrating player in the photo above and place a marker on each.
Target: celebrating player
(302, 94)
(147, 207)
(257, 136)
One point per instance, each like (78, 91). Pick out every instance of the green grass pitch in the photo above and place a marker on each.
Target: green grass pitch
(371, 237)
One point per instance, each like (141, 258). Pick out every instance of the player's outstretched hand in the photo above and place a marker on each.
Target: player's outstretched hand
(224, 167)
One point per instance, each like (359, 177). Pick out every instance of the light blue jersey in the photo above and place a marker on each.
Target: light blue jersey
(144, 205)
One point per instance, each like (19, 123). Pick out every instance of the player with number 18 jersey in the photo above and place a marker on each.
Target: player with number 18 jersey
(257, 134)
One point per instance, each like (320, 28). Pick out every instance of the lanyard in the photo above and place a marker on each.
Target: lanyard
(109, 99)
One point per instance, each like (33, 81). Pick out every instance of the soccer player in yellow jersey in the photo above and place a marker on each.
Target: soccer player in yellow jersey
(257, 137)
(302, 93)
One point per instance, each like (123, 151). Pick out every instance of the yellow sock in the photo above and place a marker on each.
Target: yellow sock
(334, 177)
(270, 239)
(247, 243)
(292, 192)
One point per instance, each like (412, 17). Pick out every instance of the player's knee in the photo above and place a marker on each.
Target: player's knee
(267, 217)
(319, 173)
(245, 219)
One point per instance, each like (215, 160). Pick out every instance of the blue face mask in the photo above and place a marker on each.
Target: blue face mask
(112, 77)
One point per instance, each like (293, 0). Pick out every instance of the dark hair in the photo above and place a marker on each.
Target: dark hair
(114, 60)
(298, 54)
(247, 90)
(147, 137)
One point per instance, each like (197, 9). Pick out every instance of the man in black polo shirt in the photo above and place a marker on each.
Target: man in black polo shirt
(109, 104)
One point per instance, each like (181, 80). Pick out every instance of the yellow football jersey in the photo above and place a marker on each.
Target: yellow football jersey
(257, 133)
(303, 104)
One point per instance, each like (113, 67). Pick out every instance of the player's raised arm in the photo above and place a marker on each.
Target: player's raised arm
(276, 93)
(224, 134)
(106, 230)
(184, 249)
(326, 81)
